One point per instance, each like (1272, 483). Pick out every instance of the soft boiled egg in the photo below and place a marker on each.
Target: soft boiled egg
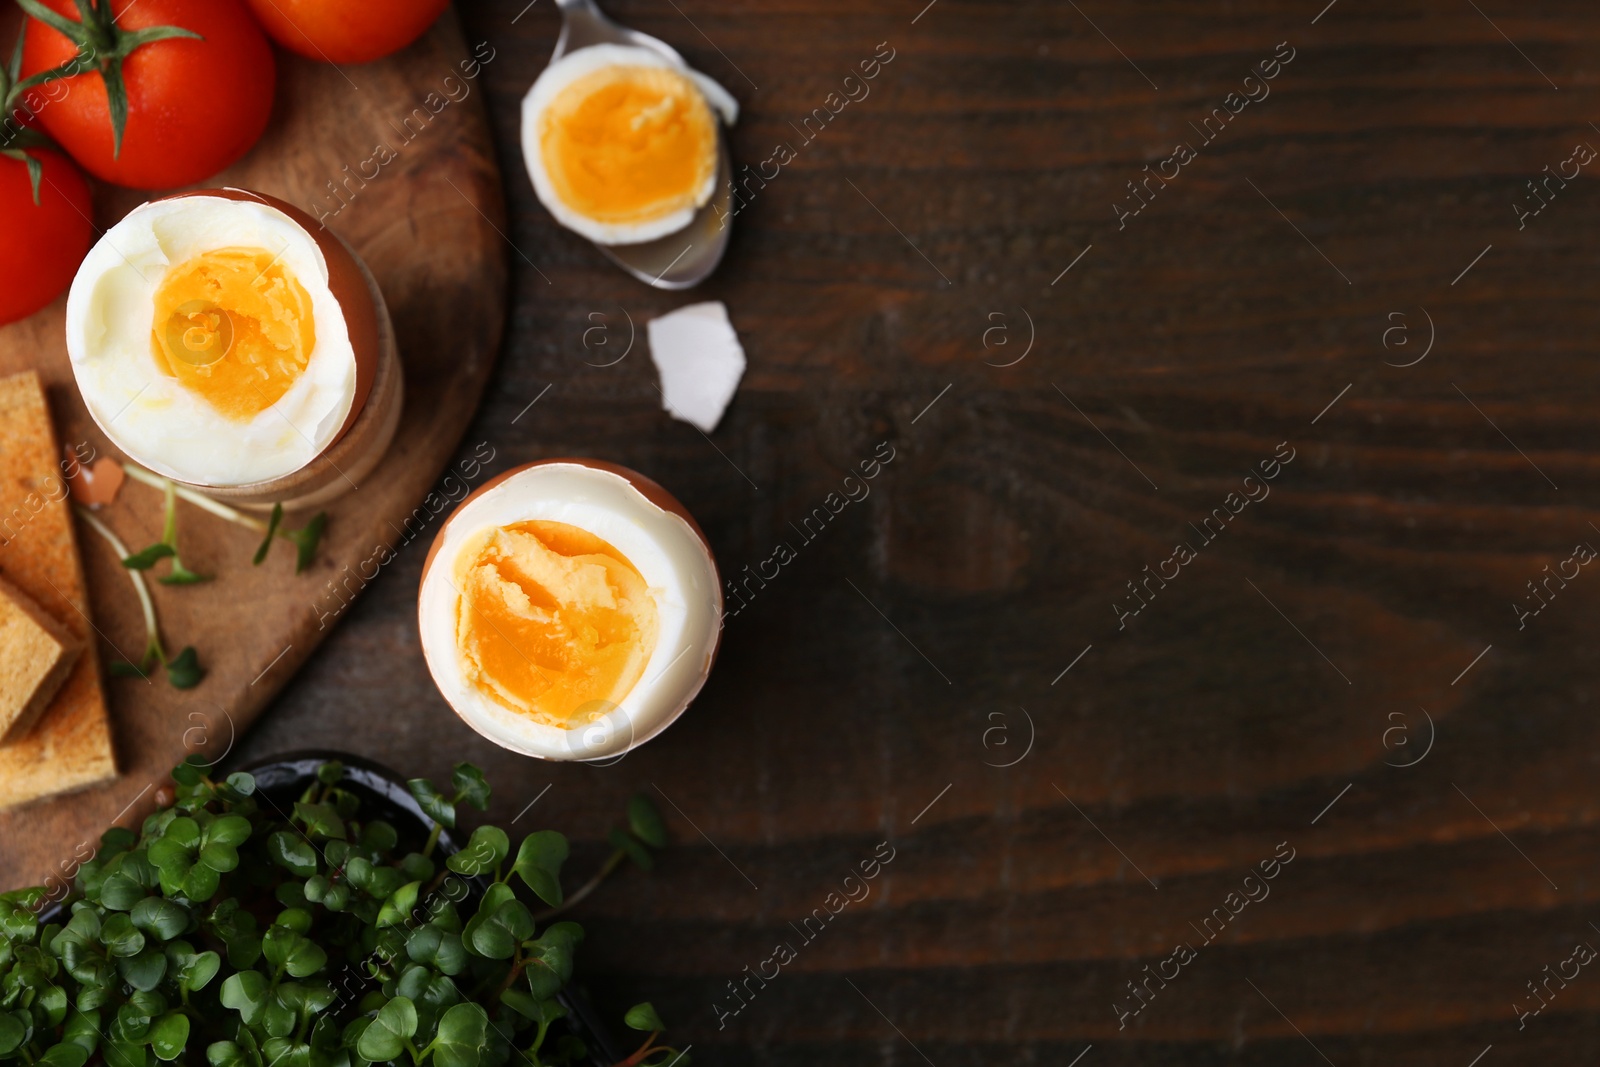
(570, 609)
(621, 141)
(222, 338)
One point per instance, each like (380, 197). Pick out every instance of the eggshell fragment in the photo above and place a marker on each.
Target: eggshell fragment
(94, 485)
(698, 355)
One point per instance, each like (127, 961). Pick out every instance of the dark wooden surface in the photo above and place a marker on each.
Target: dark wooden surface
(856, 689)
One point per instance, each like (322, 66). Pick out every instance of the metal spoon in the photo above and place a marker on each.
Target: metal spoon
(679, 260)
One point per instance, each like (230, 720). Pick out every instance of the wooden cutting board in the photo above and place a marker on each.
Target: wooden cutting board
(426, 216)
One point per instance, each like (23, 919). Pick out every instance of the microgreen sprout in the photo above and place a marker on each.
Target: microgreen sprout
(645, 831)
(305, 539)
(167, 547)
(183, 670)
(644, 1017)
(231, 929)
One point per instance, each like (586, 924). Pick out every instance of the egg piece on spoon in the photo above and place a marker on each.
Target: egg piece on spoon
(570, 610)
(221, 338)
(622, 143)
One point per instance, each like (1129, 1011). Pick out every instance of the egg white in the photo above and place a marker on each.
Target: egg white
(562, 73)
(676, 566)
(149, 414)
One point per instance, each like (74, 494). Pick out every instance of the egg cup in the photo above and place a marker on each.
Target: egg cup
(641, 525)
(268, 372)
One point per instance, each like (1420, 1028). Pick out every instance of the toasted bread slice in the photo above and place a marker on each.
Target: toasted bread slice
(36, 655)
(70, 747)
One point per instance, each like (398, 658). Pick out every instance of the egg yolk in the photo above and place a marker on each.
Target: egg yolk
(234, 326)
(553, 622)
(629, 144)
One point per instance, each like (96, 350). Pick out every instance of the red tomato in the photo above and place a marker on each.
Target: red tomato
(346, 31)
(41, 244)
(194, 106)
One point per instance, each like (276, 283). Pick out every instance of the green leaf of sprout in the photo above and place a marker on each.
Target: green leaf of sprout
(305, 541)
(644, 819)
(169, 1035)
(266, 540)
(463, 1036)
(625, 842)
(163, 918)
(82, 1029)
(13, 1032)
(181, 575)
(643, 1017)
(538, 864)
(470, 785)
(484, 852)
(120, 937)
(550, 966)
(434, 805)
(146, 558)
(397, 908)
(64, 1055)
(321, 820)
(379, 835)
(246, 993)
(194, 970)
(230, 830)
(291, 850)
(497, 936)
(184, 670)
(437, 948)
(386, 1037)
(292, 952)
(539, 1011)
(144, 971)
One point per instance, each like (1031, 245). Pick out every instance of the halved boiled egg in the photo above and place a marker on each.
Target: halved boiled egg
(622, 142)
(222, 338)
(570, 609)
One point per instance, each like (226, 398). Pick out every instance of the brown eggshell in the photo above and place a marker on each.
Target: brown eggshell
(93, 485)
(345, 281)
(653, 492)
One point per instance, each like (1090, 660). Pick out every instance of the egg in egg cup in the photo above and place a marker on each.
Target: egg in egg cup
(225, 340)
(570, 610)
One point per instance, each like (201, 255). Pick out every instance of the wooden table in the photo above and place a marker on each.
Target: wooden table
(1339, 673)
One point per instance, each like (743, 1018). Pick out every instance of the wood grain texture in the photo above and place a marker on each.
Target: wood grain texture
(989, 553)
(426, 225)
